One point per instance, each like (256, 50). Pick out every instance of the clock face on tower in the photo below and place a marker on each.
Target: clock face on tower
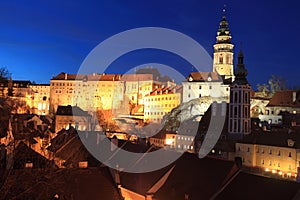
(224, 70)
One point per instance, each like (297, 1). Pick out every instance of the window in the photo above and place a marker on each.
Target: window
(199, 95)
(200, 87)
(248, 149)
(189, 95)
(290, 154)
(221, 60)
(270, 151)
(262, 162)
(270, 163)
(210, 87)
(279, 153)
(189, 87)
(278, 164)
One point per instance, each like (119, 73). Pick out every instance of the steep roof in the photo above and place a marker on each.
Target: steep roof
(91, 183)
(204, 77)
(24, 154)
(249, 186)
(197, 178)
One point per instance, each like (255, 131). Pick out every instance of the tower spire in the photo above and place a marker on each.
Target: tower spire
(223, 50)
(240, 72)
(224, 10)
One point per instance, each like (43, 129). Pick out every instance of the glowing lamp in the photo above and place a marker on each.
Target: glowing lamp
(267, 169)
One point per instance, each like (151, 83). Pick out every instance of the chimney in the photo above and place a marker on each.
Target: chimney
(66, 76)
(114, 143)
(294, 96)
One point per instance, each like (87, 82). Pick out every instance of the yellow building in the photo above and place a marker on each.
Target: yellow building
(40, 98)
(92, 91)
(276, 153)
(160, 102)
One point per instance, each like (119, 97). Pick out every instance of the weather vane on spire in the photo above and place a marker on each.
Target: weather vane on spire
(224, 10)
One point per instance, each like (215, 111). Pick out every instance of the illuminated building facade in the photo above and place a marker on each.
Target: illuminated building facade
(89, 92)
(223, 51)
(40, 95)
(239, 105)
(281, 158)
(204, 84)
(160, 102)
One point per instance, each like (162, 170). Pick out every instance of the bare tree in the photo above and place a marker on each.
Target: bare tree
(4, 73)
(277, 83)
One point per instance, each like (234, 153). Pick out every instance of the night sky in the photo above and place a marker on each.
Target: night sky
(39, 39)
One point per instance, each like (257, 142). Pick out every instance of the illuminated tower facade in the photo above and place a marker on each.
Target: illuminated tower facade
(223, 51)
(239, 106)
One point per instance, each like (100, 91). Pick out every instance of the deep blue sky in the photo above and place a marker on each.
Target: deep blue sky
(39, 39)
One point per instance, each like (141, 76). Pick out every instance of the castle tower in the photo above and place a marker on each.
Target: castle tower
(239, 105)
(223, 50)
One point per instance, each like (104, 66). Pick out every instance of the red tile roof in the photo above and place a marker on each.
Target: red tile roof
(90, 77)
(286, 98)
(203, 76)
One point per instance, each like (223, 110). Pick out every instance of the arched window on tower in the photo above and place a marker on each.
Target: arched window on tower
(221, 59)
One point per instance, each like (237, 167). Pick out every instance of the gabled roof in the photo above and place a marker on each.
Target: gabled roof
(249, 186)
(285, 98)
(166, 90)
(68, 146)
(71, 111)
(204, 77)
(24, 154)
(91, 183)
(196, 178)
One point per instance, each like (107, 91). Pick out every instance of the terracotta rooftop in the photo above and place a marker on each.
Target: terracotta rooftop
(90, 77)
(287, 98)
(204, 76)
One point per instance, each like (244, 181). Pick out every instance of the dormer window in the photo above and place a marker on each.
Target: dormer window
(190, 78)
